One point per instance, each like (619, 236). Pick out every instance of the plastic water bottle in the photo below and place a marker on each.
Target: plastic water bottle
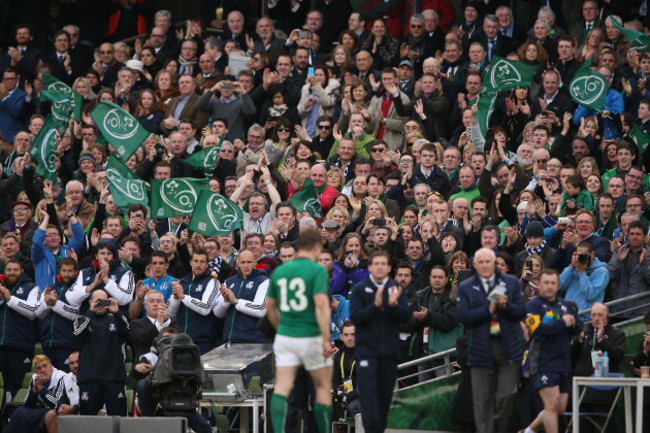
(598, 365)
(605, 362)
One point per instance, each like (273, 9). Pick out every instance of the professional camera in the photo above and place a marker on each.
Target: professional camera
(584, 259)
(177, 377)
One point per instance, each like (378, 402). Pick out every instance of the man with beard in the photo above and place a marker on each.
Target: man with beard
(19, 298)
(192, 302)
(56, 317)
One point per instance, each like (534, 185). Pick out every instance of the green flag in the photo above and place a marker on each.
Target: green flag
(175, 197)
(486, 101)
(43, 148)
(307, 200)
(206, 159)
(588, 88)
(66, 103)
(119, 128)
(640, 40)
(504, 74)
(126, 188)
(640, 138)
(215, 215)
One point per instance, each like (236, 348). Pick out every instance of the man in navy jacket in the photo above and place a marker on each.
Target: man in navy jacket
(192, 302)
(496, 343)
(378, 305)
(19, 299)
(242, 301)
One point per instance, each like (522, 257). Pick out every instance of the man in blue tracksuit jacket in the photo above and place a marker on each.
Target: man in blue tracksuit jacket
(56, 317)
(19, 299)
(105, 273)
(496, 343)
(242, 301)
(192, 301)
(102, 334)
(552, 323)
(378, 305)
(47, 250)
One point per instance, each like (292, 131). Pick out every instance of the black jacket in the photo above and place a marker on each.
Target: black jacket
(102, 340)
(613, 343)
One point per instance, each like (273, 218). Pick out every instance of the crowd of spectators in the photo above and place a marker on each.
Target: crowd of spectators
(378, 107)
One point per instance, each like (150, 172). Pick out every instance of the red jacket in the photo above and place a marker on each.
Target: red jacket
(326, 196)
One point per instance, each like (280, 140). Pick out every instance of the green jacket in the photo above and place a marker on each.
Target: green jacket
(360, 145)
(583, 200)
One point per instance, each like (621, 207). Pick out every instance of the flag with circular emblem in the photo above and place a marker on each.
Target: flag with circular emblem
(206, 159)
(175, 197)
(126, 188)
(589, 88)
(119, 128)
(66, 103)
(215, 215)
(44, 147)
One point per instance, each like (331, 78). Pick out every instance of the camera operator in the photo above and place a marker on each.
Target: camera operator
(146, 401)
(344, 379)
(102, 333)
(585, 279)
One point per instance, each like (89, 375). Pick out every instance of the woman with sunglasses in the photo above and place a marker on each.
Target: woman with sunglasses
(319, 96)
(277, 146)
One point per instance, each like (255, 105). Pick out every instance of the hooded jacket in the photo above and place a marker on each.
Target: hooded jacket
(585, 288)
(17, 316)
(241, 319)
(339, 316)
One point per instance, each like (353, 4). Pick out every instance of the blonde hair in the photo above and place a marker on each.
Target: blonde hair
(39, 359)
(382, 208)
(344, 211)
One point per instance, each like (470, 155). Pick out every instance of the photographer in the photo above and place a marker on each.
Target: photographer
(585, 279)
(146, 401)
(102, 334)
(344, 378)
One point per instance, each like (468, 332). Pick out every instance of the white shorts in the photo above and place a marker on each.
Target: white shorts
(297, 351)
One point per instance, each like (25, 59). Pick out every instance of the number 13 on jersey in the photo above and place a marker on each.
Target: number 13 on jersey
(292, 294)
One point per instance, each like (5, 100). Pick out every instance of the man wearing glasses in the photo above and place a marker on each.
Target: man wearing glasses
(107, 67)
(324, 140)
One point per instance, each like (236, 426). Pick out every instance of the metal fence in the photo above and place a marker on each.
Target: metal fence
(410, 373)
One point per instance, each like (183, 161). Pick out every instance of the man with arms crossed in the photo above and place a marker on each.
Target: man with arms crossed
(298, 306)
